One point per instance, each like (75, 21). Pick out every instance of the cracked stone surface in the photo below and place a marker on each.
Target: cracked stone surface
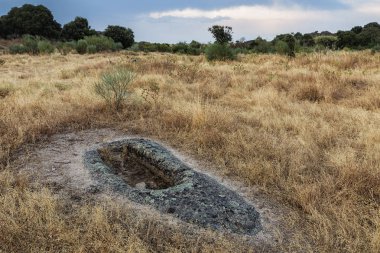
(169, 185)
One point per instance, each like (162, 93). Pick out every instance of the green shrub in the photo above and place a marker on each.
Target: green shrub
(102, 43)
(375, 49)
(18, 49)
(119, 46)
(66, 47)
(135, 47)
(221, 52)
(180, 48)
(281, 47)
(91, 49)
(71, 44)
(328, 42)
(113, 86)
(45, 47)
(31, 44)
(81, 47)
(120, 34)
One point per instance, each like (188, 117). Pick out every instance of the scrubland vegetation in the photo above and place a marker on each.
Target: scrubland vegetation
(304, 131)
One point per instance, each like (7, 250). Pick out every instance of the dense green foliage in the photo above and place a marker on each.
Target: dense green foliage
(120, 34)
(94, 44)
(102, 43)
(219, 52)
(36, 24)
(77, 29)
(81, 47)
(193, 48)
(3, 29)
(221, 34)
(89, 44)
(45, 47)
(29, 19)
(32, 45)
(327, 41)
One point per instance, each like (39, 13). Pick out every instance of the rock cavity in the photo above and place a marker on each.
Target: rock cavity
(149, 174)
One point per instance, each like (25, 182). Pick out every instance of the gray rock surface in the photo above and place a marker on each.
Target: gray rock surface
(188, 195)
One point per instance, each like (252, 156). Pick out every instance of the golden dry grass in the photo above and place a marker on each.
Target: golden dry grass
(305, 132)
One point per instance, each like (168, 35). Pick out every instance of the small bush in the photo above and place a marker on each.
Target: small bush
(281, 47)
(375, 49)
(45, 47)
(31, 44)
(91, 49)
(113, 86)
(118, 46)
(221, 52)
(102, 43)
(18, 49)
(81, 47)
(180, 48)
(66, 47)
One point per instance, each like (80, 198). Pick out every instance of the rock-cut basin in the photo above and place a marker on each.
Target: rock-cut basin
(149, 174)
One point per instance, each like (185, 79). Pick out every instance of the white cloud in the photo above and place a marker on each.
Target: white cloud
(253, 12)
(250, 21)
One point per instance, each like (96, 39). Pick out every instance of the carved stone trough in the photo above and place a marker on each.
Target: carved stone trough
(149, 174)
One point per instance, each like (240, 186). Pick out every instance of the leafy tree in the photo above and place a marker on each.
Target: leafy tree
(346, 39)
(3, 32)
(307, 40)
(370, 35)
(77, 29)
(298, 36)
(357, 29)
(326, 41)
(120, 34)
(291, 42)
(222, 34)
(181, 48)
(195, 44)
(372, 25)
(260, 45)
(285, 44)
(31, 19)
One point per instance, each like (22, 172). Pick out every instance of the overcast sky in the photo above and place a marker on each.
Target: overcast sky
(185, 20)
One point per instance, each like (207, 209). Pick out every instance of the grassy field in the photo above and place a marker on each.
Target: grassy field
(303, 131)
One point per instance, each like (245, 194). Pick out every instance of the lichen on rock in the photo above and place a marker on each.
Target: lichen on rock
(149, 174)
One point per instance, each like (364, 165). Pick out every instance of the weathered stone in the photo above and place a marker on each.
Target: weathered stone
(147, 173)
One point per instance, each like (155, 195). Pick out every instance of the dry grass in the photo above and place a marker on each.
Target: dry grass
(304, 131)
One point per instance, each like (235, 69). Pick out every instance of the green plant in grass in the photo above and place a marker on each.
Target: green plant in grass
(81, 47)
(220, 52)
(113, 86)
(45, 47)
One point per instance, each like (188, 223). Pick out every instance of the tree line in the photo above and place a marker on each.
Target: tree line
(358, 38)
(38, 22)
